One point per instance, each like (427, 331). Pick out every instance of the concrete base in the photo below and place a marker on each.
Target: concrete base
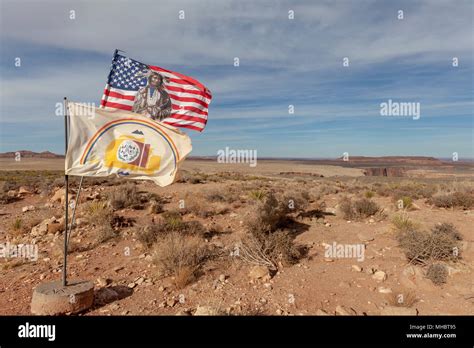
(53, 298)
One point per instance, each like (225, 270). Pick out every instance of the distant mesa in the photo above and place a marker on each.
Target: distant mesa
(30, 154)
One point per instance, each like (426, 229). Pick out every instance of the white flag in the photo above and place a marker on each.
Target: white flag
(119, 142)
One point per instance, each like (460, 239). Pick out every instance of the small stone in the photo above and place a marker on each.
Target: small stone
(28, 208)
(279, 312)
(161, 288)
(356, 268)
(140, 280)
(171, 302)
(391, 310)
(379, 276)
(327, 224)
(222, 278)
(321, 312)
(23, 190)
(132, 285)
(384, 290)
(371, 221)
(102, 281)
(206, 310)
(259, 272)
(268, 286)
(340, 310)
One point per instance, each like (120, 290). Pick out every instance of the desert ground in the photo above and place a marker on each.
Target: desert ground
(229, 239)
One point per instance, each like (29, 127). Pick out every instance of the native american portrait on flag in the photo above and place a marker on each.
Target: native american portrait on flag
(159, 94)
(152, 100)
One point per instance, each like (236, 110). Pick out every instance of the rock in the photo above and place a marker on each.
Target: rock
(321, 312)
(383, 290)
(259, 272)
(340, 310)
(23, 191)
(206, 310)
(171, 302)
(105, 295)
(102, 282)
(28, 208)
(268, 286)
(132, 285)
(391, 310)
(327, 224)
(140, 280)
(59, 196)
(356, 268)
(379, 276)
(330, 211)
(222, 278)
(371, 221)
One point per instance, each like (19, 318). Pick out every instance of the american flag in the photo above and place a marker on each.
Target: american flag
(178, 100)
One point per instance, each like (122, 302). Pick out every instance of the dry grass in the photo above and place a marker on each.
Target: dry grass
(125, 196)
(268, 243)
(402, 298)
(437, 273)
(402, 223)
(180, 256)
(170, 222)
(359, 209)
(424, 247)
(464, 200)
(101, 215)
(197, 204)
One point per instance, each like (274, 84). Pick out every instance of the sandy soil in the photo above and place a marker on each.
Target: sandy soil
(315, 285)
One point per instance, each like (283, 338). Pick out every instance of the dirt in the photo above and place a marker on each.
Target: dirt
(313, 285)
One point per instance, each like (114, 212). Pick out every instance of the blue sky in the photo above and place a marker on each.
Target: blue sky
(282, 62)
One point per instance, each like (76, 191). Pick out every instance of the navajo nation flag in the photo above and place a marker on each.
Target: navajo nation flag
(159, 94)
(125, 144)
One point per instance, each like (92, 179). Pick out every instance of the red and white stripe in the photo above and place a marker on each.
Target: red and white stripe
(189, 98)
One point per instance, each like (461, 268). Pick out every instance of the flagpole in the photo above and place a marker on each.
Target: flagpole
(66, 207)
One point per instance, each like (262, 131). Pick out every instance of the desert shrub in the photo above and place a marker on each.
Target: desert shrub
(268, 243)
(447, 229)
(225, 195)
(126, 196)
(422, 247)
(403, 223)
(269, 216)
(6, 199)
(463, 200)
(402, 298)
(437, 273)
(155, 207)
(170, 222)
(404, 202)
(192, 178)
(413, 190)
(358, 209)
(270, 249)
(100, 214)
(197, 204)
(257, 195)
(296, 201)
(180, 256)
(369, 194)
